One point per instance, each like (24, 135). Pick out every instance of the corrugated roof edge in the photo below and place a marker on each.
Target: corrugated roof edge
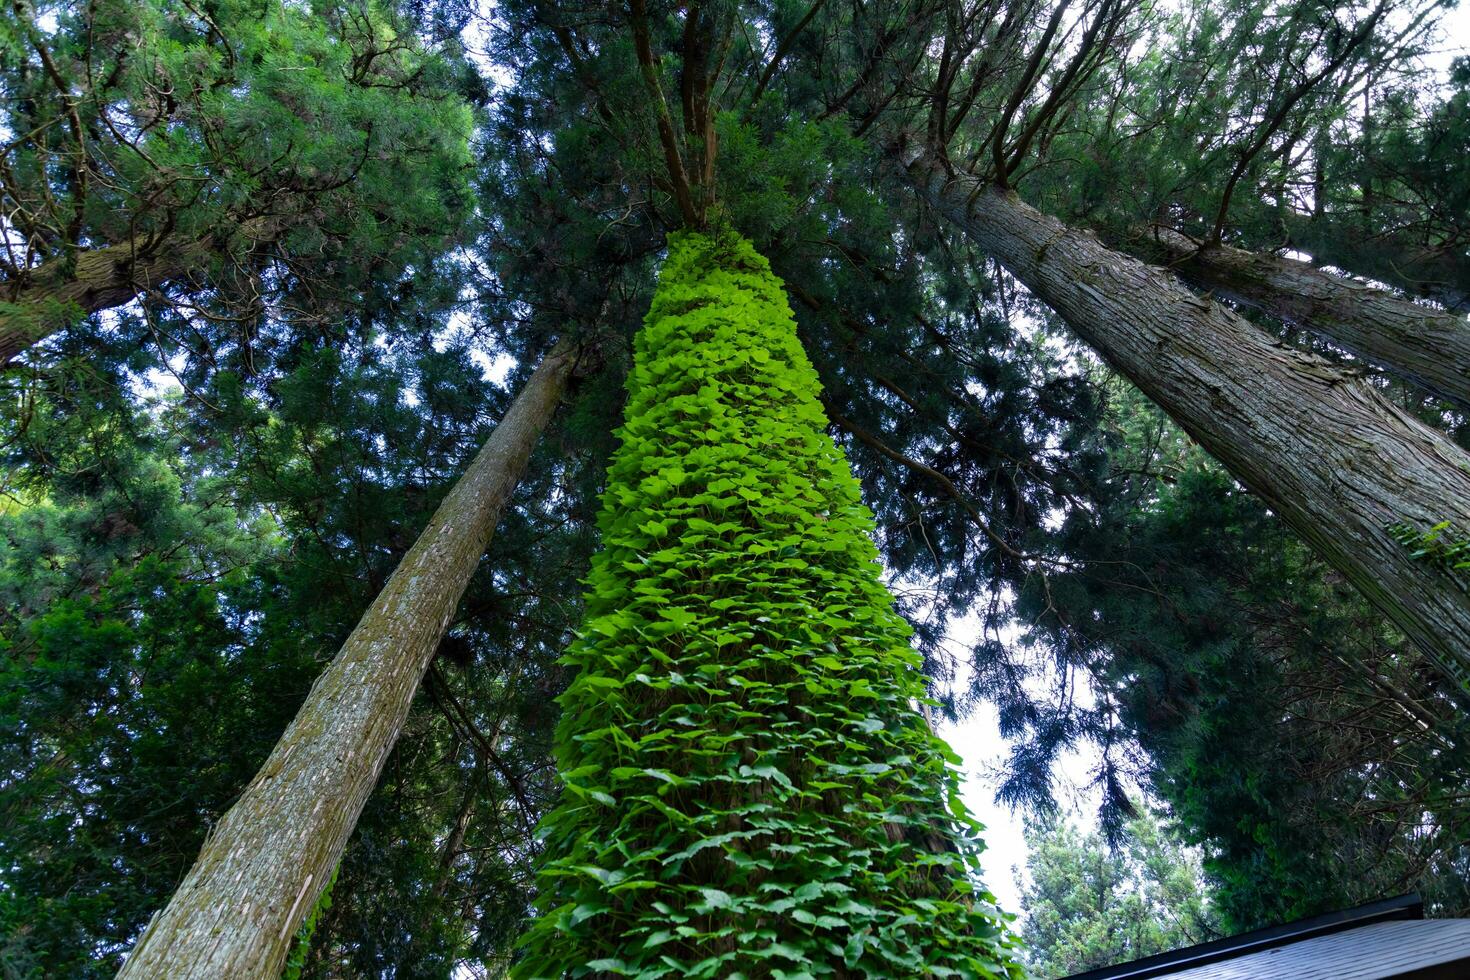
(1409, 906)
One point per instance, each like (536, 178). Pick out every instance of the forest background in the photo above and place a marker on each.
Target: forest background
(351, 236)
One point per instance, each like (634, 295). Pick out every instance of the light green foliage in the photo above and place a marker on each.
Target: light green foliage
(749, 788)
(296, 962)
(1088, 905)
(1439, 546)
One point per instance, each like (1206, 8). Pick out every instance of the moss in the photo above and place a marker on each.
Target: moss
(749, 788)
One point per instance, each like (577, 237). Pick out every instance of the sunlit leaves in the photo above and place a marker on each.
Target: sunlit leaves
(749, 787)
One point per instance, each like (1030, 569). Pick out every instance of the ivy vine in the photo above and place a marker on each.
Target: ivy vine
(1437, 547)
(750, 789)
(301, 946)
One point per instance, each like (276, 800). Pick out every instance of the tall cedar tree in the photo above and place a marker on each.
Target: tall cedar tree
(1340, 463)
(750, 784)
(1336, 459)
(269, 858)
(317, 434)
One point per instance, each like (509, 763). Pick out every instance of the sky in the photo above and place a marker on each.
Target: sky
(977, 740)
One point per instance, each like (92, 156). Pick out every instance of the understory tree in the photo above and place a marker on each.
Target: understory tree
(1089, 904)
(123, 574)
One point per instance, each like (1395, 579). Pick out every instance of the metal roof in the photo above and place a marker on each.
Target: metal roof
(1423, 949)
(1378, 941)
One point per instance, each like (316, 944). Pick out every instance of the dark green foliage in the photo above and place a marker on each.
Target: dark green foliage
(302, 156)
(1088, 905)
(173, 575)
(131, 692)
(749, 786)
(1301, 743)
(1392, 194)
(1214, 130)
(1437, 545)
(184, 568)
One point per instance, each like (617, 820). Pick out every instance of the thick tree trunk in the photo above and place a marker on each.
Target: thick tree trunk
(99, 279)
(1436, 274)
(1427, 347)
(263, 865)
(1334, 459)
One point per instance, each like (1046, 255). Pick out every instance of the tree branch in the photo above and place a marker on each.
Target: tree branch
(678, 178)
(782, 50)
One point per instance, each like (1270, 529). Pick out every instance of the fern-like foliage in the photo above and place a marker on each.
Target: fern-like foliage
(750, 788)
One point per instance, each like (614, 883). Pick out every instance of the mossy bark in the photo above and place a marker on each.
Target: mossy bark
(1338, 462)
(749, 786)
(264, 864)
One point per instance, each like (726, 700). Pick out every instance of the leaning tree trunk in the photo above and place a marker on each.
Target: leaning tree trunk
(1442, 275)
(1338, 462)
(98, 279)
(1424, 346)
(263, 865)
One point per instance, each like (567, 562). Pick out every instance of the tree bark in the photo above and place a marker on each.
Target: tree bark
(1424, 346)
(1333, 458)
(264, 864)
(51, 294)
(1441, 275)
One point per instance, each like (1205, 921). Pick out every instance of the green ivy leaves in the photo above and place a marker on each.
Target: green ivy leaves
(750, 790)
(1437, 546)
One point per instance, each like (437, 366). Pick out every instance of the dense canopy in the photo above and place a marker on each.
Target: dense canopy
(1141, 331)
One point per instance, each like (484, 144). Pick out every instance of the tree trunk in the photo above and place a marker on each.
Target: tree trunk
(265, 862)
(1334, 459)
(1441, 275)
(773, 655)
(1426, 347)
(51, 294)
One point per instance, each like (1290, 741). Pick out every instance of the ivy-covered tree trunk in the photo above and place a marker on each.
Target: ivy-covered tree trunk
(1338, 463)
(749, 785)
(266, 861)
(1425, 346)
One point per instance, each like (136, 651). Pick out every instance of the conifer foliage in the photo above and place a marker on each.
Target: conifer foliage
(749, 785)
